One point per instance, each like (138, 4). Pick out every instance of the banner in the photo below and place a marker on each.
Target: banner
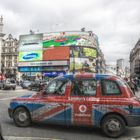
(59, 53)
(82, 64)
(54, 73)
(88, 39)
(30, 56)
(83, 52)
(89, 52)
(44, 63)
(30, 42)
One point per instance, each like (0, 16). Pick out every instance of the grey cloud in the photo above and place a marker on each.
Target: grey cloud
(115, 22)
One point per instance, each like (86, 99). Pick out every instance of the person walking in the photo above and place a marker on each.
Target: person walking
(132, 85)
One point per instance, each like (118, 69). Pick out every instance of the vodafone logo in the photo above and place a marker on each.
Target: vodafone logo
(82, 108)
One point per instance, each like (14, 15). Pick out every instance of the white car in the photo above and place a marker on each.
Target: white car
(9, 84)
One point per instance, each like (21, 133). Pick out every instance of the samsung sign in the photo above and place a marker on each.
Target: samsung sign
(30, 56)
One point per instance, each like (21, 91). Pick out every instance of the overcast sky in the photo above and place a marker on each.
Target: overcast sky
(115, 22)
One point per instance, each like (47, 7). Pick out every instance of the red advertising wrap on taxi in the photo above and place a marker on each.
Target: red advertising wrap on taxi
(97, 100)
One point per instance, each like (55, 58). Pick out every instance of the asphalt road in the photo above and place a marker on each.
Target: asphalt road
(50, 132)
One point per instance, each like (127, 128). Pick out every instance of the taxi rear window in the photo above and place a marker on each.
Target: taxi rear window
(110, 87)
(84, 87)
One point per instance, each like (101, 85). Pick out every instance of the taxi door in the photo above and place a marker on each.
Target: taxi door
(83, 93)
(50, 105)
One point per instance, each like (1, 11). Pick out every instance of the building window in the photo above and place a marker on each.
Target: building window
(13, 50)
(16, 58)
(3, 50)
(10, 51)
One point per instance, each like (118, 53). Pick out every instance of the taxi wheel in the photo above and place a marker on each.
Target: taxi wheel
(21, 117)
(113, 125)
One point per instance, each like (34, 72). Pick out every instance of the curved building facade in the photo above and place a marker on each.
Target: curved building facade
(53, 54)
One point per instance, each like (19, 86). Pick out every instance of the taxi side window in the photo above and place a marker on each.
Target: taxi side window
(110, 87)
(84, 87)
(56, 87)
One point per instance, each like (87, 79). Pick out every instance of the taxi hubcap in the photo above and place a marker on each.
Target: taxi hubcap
(22, 116)
(113, 125)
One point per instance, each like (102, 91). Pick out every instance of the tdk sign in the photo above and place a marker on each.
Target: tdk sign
(30, 56)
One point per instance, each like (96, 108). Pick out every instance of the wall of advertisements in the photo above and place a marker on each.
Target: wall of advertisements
(73, 50)
(30, 56)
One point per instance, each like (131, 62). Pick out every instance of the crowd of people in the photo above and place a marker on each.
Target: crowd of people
(133, 83)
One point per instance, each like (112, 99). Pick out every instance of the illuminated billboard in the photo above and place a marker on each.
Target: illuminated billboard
(59, 53)
(64, 39)
(89, 52)
(44, 63)
(30, 42)
(82, 64)
(30, 56)
(83, 52)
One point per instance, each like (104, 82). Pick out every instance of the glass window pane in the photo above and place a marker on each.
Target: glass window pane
(85, 87)
(110, 87)
(56, 87)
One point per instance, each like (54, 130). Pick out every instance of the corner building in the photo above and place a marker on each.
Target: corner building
(54, 54)
(135, 60)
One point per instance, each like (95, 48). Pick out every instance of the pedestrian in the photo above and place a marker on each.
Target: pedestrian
(132, 85)
(136, 84)
(85, 66)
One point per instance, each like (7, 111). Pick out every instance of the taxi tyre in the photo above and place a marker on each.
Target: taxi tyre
(108, 120)
(26, 117)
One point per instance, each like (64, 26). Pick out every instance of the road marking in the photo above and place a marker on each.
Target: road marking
(27, 138)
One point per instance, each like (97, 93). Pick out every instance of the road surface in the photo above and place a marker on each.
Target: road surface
(50, 132)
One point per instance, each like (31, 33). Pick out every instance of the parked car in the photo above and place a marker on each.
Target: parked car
(25, 84)
(1, 84)
(9, 84)
(102, 101)
(37, 85)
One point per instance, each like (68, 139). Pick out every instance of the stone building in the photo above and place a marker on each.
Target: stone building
(1, 39)
(135, 60)
(9, 56)
(120, 68)
(8, 53)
